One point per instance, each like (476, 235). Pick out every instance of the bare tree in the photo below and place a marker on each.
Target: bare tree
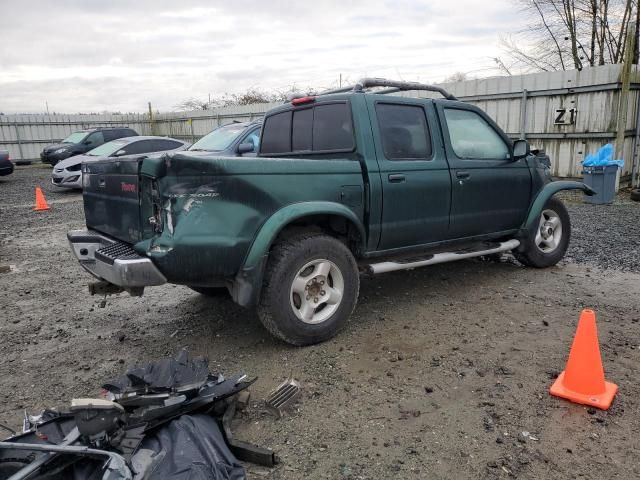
(457, 77)
(192, 104)
(571, 34)
(248, 97)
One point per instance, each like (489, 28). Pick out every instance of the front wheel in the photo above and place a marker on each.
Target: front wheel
(311, 287)
(548, 241)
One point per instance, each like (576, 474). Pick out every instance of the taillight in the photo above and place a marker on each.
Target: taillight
(303, 100)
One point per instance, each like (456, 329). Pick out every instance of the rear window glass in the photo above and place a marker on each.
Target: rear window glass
(276, 133)
(322, 128)
(301, 135)
(404, 132)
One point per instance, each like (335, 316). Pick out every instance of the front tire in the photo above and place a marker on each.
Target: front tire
(547, 243)
(311, 288)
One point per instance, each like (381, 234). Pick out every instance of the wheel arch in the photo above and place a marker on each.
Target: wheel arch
(543, 196)
(328, 217)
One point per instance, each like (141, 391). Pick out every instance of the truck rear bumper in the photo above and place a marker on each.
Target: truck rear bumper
(113, 261)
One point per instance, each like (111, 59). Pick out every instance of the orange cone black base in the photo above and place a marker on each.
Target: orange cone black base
(583, 378)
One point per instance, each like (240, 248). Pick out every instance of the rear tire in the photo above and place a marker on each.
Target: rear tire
(549, 240)
(310, 289)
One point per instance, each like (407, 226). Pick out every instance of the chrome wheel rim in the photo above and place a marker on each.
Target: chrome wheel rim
(549, 233)
(316, 291)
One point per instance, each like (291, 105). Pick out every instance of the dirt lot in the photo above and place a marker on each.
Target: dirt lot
(437, 375)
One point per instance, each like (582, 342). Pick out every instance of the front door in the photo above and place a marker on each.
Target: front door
(490, 191)
(416, 186)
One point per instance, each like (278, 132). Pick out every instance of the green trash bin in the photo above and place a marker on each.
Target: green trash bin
(603, 181)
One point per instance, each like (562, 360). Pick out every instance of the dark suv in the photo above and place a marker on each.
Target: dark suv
(82, 141)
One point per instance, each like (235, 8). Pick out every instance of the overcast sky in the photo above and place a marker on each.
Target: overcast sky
(90, 56)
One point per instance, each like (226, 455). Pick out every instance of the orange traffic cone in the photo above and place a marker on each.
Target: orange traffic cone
(583, 378)
(41, 202)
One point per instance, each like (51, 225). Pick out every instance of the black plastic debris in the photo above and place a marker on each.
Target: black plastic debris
(168, 419)
(202, 453)
(179, 374)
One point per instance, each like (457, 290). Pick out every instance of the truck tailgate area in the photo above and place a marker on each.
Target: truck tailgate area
(111, 197)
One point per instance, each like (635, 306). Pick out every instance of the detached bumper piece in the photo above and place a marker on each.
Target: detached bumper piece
(165, 420)
(113, 261)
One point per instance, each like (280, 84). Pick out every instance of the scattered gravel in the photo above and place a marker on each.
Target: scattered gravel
(439, 374)
(606, 235)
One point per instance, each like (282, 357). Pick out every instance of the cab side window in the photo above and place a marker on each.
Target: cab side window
(472, 137)
(403, 131)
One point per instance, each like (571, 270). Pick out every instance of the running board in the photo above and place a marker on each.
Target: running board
(384, 267)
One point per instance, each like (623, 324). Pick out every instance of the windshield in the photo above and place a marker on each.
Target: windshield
(220, 138)
(107, 149)
(75, 137)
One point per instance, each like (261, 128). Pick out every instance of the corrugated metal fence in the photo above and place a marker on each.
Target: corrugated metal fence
(569, 114)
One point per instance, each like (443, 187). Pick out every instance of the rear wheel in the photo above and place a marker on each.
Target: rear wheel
(311, 288)
(548, 241)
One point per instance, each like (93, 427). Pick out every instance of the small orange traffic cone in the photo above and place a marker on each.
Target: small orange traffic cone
(41, 202)
(583, 378)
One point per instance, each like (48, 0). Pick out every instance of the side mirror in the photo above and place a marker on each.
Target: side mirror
(119, 153)
(86, 142)
(520, 149)
(244, 148)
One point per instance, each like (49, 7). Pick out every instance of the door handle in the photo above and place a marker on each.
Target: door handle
(460, 174)
(396, 178)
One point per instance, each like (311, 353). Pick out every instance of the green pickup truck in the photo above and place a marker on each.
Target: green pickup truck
(349, 181)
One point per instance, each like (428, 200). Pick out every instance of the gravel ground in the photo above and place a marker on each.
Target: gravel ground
(438, 374)
(606, 235)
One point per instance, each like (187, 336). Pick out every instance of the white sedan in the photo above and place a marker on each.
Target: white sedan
(68, 173)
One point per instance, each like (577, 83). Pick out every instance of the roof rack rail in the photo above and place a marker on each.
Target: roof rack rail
(392, 87)
(400, 86)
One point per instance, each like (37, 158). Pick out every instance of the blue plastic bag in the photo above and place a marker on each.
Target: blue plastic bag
(602, 158)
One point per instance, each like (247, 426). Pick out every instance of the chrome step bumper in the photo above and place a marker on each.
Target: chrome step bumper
(113, 261)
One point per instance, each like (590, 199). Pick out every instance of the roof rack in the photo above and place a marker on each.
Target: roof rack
(392, 87)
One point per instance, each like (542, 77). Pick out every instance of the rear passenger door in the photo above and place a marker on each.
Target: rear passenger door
(414, 172)
(490, 190)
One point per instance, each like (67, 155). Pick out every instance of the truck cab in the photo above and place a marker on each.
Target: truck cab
(348, 181)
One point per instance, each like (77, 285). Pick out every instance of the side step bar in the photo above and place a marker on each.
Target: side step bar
(384, 267)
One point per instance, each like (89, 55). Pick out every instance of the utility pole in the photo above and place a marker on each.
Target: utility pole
(151, 126)
(623, 104)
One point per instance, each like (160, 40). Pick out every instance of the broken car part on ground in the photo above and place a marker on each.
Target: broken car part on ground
(157, 421)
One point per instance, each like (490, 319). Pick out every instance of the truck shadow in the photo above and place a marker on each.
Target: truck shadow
(390, 297)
